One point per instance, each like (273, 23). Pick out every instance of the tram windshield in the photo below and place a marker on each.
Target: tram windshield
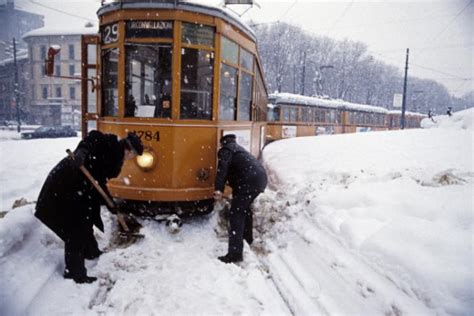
(197, 74)
(148, 80)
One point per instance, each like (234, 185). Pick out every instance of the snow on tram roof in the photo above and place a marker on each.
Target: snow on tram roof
(289, 98)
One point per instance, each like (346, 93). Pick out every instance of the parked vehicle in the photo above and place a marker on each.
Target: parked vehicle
(50, 132)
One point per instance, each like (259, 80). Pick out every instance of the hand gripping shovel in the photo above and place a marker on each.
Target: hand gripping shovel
(126, 233)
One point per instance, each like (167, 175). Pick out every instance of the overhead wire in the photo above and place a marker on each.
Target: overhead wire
(287, 10)
(61, 11)
(346, 9)
(450, 22)
(429, 68)
(397, 50)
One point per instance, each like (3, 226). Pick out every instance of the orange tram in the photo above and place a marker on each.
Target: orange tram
(179, 75)
(291, 115)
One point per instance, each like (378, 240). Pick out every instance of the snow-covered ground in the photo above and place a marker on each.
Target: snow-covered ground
(376, 223)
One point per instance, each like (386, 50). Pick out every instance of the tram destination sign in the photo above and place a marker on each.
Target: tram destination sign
(135, 29)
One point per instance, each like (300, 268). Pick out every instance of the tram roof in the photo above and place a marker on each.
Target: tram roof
(289, 98)
(171, 5)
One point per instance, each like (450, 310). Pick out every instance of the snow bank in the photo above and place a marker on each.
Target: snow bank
(402, 199)
(29, 256)
(462, 119)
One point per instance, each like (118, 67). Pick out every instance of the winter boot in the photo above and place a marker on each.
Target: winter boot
(230, 258)
(93, 254)
(79, 279)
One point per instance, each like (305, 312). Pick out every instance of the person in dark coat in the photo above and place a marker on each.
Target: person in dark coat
(70, 205)
(449, 112)
(247, 178)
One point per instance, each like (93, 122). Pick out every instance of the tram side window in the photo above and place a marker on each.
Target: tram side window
(109, 82)
(228, 99)
(229, 51)
(261, 99)
(148, 81)
(197, 34)
(293, 114)
(286, 114)
(197, 75)
(273, 114)
(245, 96)
(332, 116)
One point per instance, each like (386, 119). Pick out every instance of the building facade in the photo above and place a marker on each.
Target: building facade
(13, 24)
(8, 99)
(56, 101)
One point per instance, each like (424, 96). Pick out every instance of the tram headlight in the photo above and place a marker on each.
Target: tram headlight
(147, 160)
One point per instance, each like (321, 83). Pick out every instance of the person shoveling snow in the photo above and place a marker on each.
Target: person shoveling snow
(69, 202)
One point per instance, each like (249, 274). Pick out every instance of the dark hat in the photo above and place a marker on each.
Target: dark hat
(134, 142)
(229, 138)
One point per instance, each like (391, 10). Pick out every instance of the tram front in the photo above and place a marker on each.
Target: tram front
(180, 76)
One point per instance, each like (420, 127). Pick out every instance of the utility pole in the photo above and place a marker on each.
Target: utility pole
(302, 77)
(402, 119)
(17, 98)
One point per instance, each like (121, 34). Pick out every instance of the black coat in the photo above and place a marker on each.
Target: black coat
(243, 171)
(67, 198)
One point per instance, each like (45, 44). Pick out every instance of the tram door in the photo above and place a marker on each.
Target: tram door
(89, 83)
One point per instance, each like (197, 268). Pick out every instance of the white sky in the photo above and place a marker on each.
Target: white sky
(440, 34)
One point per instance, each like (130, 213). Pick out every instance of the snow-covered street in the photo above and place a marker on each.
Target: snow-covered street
(377, 223)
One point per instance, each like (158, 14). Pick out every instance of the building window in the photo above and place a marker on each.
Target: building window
(58, 92)
(45, 92)
(72, 70)
(72, 93)
(58, 70)
(71, 51)
(43, 52)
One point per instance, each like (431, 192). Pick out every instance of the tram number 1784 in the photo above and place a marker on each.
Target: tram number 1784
(148, 135)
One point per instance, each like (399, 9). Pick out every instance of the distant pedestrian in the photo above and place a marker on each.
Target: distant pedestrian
(430, 116)
(69, 204)
(247, 178)
(449, 111)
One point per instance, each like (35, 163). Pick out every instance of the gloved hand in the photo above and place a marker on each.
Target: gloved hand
(80, 155)
(217, 195)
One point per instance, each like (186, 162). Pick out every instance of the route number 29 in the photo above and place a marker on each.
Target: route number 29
(110, 33)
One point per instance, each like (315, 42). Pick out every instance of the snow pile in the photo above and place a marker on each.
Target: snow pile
(28, 257)
(462, 119)
(401, 199)
(374, 223)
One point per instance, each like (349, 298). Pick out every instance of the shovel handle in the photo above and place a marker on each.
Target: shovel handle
(96, 185)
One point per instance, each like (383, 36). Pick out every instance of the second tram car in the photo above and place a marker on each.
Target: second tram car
(179, 75)
(291, 115)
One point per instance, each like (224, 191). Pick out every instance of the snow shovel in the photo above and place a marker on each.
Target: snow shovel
(126, 233)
